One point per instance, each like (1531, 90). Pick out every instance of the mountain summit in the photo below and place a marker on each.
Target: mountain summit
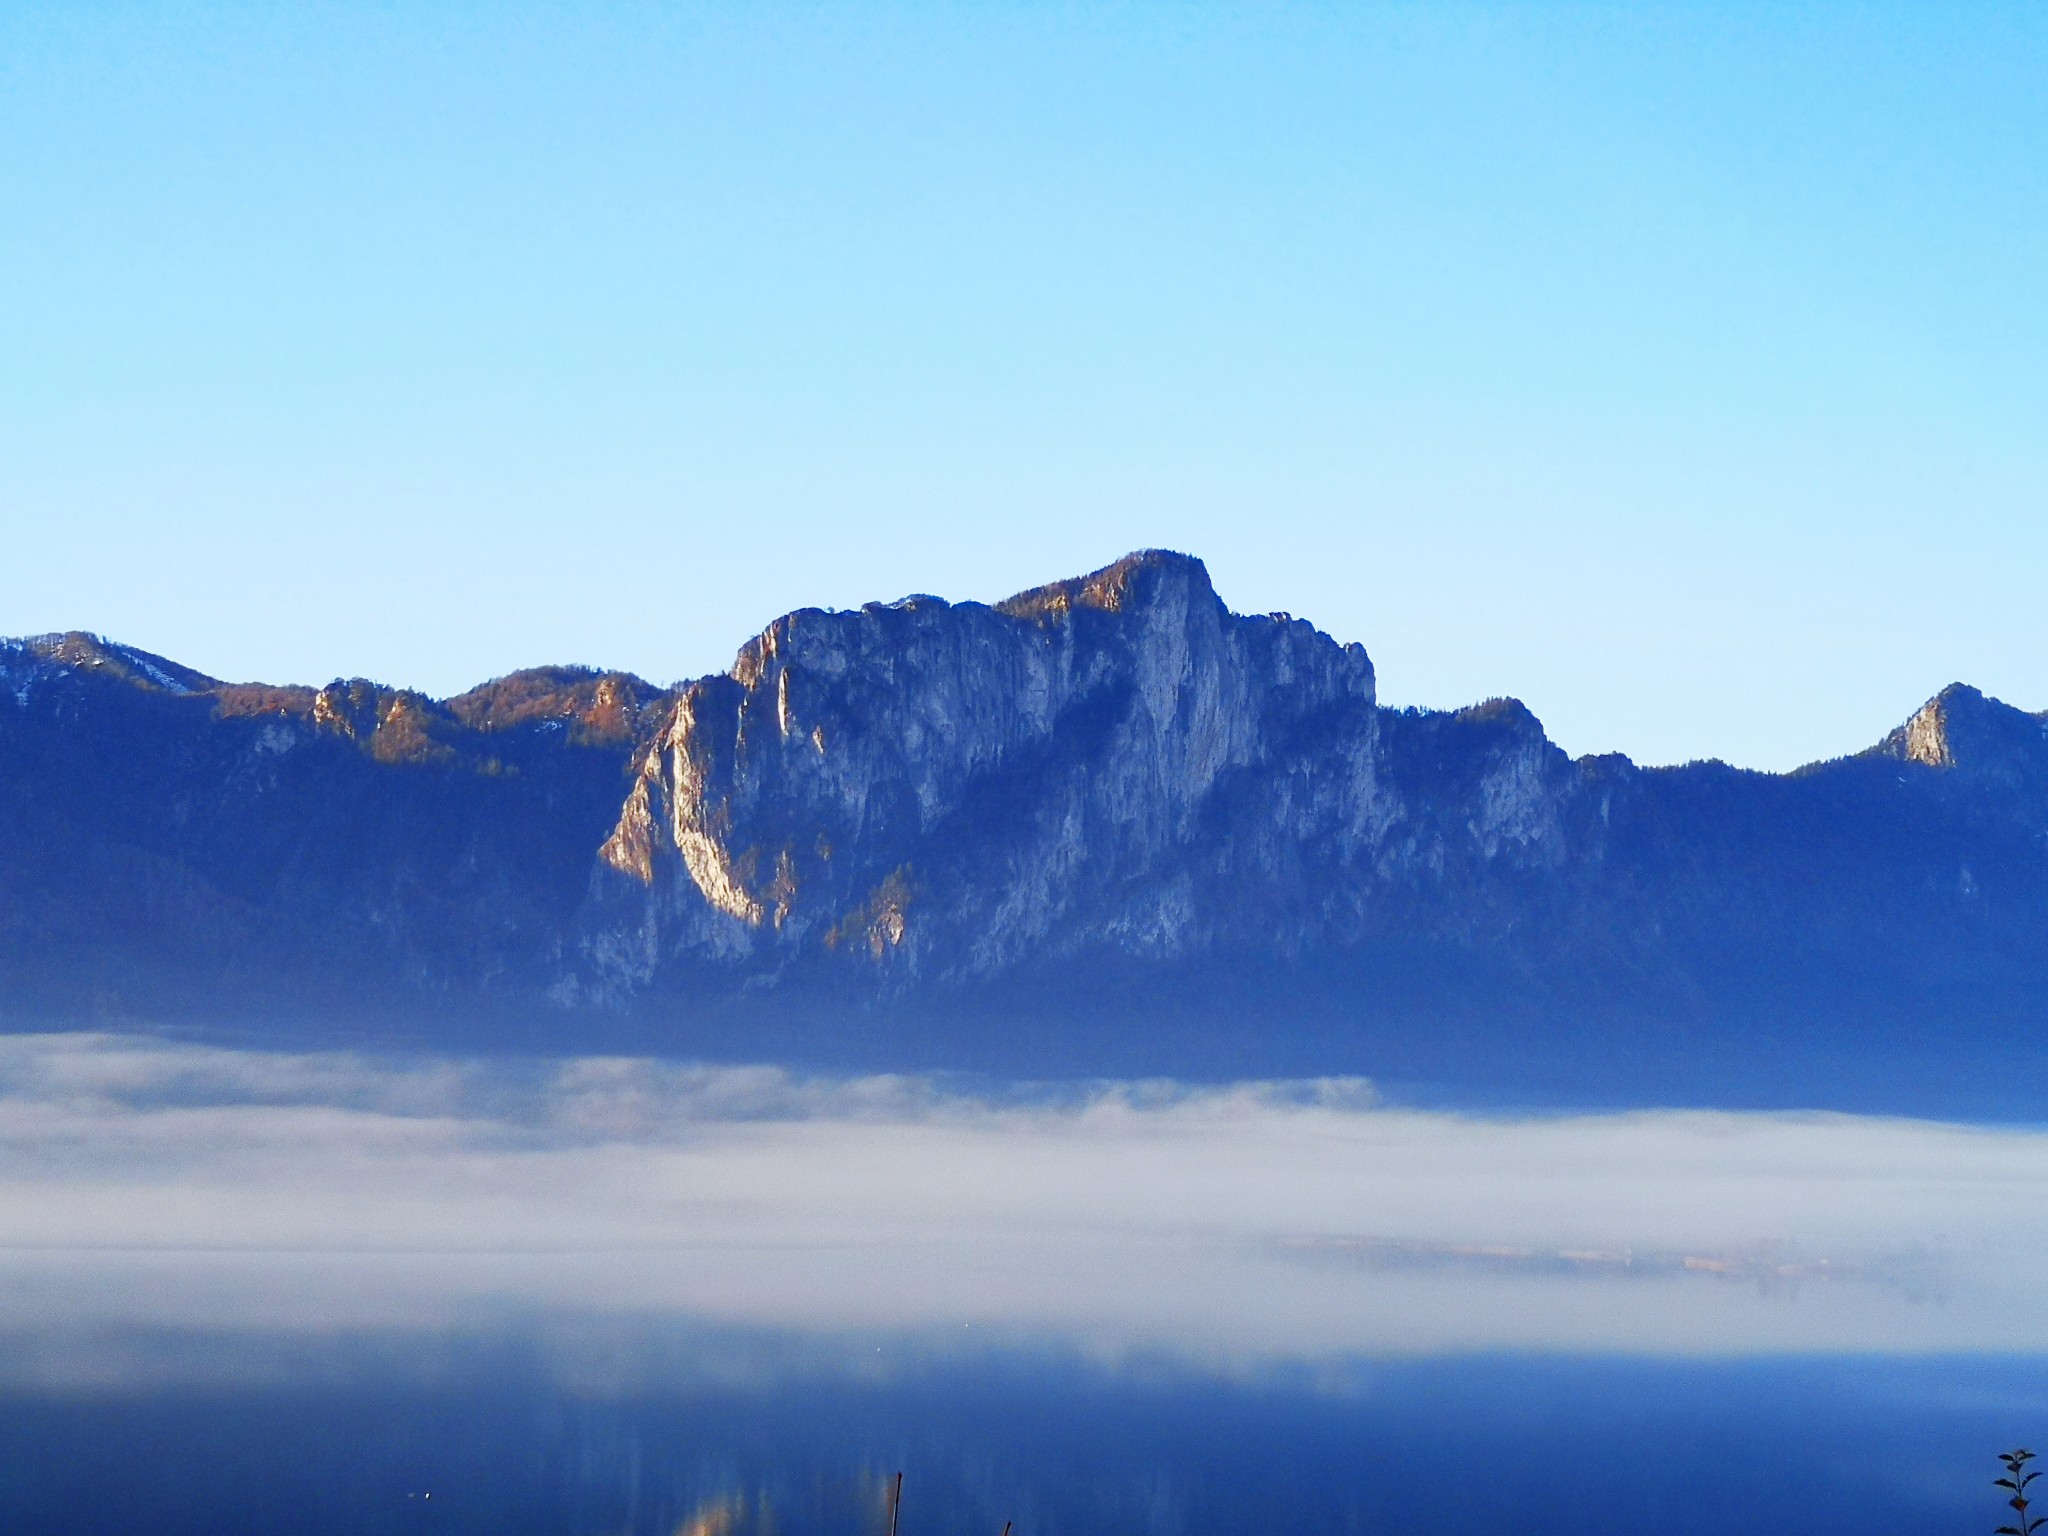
(950, 792)
(1106, 825)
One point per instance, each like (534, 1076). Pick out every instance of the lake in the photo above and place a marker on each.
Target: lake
(269, 1292)
(480, 1435)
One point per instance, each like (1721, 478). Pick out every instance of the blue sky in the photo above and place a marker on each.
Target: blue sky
(1680, 369)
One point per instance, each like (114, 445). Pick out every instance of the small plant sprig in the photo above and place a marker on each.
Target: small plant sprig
(2016, 1478)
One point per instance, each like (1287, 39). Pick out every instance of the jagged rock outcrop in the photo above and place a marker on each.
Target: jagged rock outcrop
(944, 791)
(1986, 742)
(1106, 825)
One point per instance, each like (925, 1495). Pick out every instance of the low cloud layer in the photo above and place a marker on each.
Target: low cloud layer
(170, 1187)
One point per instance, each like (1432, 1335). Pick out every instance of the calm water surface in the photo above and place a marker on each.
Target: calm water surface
(493, 1437)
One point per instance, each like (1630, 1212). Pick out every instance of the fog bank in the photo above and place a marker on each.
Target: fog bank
(145, 1185)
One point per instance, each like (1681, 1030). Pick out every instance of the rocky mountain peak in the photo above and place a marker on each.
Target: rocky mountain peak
(1146, 576)
(77, 651)
(862, 782)
(1961, 729)
(597, 706)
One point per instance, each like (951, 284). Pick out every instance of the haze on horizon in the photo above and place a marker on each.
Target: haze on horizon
(154, 1186)
(1673, 369)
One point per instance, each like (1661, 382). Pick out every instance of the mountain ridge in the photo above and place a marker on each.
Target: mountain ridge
(1107, 807)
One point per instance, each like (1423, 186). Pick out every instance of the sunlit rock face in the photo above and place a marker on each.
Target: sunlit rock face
(1985, 743)
(1112, 764)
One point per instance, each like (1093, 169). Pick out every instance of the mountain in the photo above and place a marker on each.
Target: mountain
(1105, 826)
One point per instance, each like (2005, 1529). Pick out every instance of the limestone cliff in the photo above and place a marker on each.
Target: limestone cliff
(945, 790)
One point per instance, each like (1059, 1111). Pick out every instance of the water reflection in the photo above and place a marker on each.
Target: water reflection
(488, 1436)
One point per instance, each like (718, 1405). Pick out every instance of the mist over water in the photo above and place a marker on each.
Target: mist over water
(151, 1185)
(273, 1291)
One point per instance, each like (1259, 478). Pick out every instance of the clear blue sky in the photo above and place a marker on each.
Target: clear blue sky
(1680, 369)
